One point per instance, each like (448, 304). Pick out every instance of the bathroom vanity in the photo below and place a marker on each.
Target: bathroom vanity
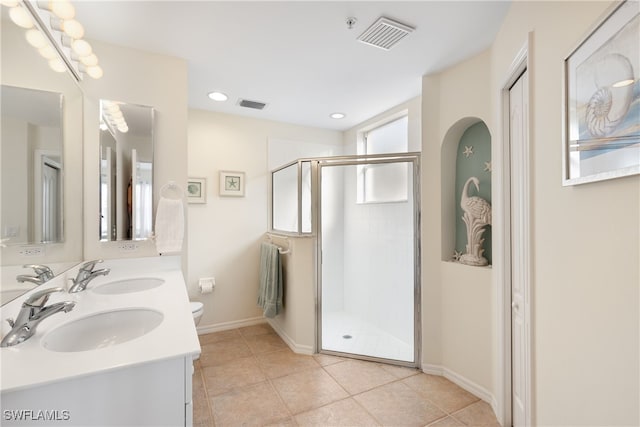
(122, 356)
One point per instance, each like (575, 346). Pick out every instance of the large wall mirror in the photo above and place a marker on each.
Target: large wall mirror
(126, 171)
(32, 166)
(41, 159)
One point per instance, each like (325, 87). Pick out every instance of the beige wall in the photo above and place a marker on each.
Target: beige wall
(142, 78)
(585, 243)
(585, 252)
(457, 299)
(225, 233)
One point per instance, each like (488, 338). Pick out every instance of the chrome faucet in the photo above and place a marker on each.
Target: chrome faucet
(86, 273)
(43, 274)
(33, 312)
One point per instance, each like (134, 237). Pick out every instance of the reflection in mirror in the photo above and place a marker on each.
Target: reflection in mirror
(32, 173)
(126, 171)
(37, 226)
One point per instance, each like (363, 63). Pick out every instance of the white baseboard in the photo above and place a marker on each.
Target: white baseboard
(459, 380)
(295, 347)
(225, 326)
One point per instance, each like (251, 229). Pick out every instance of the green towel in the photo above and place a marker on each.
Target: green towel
(270, 293)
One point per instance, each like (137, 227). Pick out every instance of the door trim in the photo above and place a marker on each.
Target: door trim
(502, 182)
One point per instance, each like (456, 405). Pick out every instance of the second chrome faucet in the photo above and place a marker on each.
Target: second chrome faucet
(86, 273)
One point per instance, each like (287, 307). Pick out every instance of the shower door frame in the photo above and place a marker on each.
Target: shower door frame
(316, 183)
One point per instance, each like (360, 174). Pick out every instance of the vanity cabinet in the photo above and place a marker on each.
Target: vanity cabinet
(151, 394)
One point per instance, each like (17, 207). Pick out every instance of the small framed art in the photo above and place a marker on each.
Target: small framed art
(197, 190)
(232, 183)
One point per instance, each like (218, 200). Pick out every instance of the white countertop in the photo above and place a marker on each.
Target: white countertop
(29, 364)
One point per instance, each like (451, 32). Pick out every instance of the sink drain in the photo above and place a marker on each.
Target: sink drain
(347, 337)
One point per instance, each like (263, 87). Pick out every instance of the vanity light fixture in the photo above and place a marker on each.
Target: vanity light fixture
(113, 117)
(337, 115)
(218, 96)
(58, 37)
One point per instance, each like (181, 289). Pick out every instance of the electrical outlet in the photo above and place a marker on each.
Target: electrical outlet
(31, 251)
(128, 246)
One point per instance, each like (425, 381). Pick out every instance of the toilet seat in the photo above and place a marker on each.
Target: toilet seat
(196, 308)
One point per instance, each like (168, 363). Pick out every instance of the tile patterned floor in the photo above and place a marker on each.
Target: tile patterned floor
(250, 377)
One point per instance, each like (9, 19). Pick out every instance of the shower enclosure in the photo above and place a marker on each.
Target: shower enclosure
(364, 213)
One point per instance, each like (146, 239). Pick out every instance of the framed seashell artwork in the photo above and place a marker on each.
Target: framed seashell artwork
(602, 100)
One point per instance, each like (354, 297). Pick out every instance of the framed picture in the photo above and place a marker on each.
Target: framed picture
(197, 190)
(232, 184)
(601, 100)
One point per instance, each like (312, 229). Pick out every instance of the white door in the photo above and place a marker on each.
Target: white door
(50, 202)
(518, 132)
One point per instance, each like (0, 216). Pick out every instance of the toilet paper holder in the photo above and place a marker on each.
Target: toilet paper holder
(206, 284)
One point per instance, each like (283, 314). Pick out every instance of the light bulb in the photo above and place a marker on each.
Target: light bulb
(9, 3)
(81, 47)
(48, 52)
(337, 115)
(113, 108)
(57, 65)
(95, 72)
(63, 9)
(89, 60)
(218, 96)
(73, 28)
(103, 126)
(123, 128)
(36, 38)
(20, 17)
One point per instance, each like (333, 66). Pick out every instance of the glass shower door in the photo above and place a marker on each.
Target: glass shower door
(368, 244)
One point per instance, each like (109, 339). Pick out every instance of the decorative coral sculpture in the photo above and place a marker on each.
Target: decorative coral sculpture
(477, 215)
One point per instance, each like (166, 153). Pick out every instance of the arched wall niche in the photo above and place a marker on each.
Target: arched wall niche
(456, 168)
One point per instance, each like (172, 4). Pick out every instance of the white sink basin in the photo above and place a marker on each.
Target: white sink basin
(127, 286)
(102, 330)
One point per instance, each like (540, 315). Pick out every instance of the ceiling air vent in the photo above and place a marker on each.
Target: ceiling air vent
(384, 33)
(256, 105)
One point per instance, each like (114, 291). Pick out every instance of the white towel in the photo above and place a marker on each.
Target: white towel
(169, 225)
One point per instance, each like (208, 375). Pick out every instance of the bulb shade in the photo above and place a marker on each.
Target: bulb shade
(62, 9)
(123, 128)
(81, 48)
(36, 38)
(48, 52)
(57, 65)
(89, 60)
(95, 72)
(73, 29)
(21, 17)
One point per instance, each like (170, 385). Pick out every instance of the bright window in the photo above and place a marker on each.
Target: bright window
(384, 182)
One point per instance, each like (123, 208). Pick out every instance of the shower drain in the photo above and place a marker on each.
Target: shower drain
(347, 337)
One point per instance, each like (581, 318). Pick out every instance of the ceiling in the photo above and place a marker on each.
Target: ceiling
(299, 57)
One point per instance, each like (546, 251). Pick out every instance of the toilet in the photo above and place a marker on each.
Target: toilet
(196, 310)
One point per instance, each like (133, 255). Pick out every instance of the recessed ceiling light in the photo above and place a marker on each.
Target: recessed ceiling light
(218, 96)
(337, 115)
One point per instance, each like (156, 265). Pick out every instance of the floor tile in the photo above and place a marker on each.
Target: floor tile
(218, 336)
(201, 411)
(255, 405)
(284, 362)
(446, 422)
(308, 389)
(478, 414)
(442, 392)
(397, 405)
(326, 360)
(262, 328)
(265, 343)
(356, 376)
(233, 374)
(400, 371)
(220, 352)
(345, 412)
